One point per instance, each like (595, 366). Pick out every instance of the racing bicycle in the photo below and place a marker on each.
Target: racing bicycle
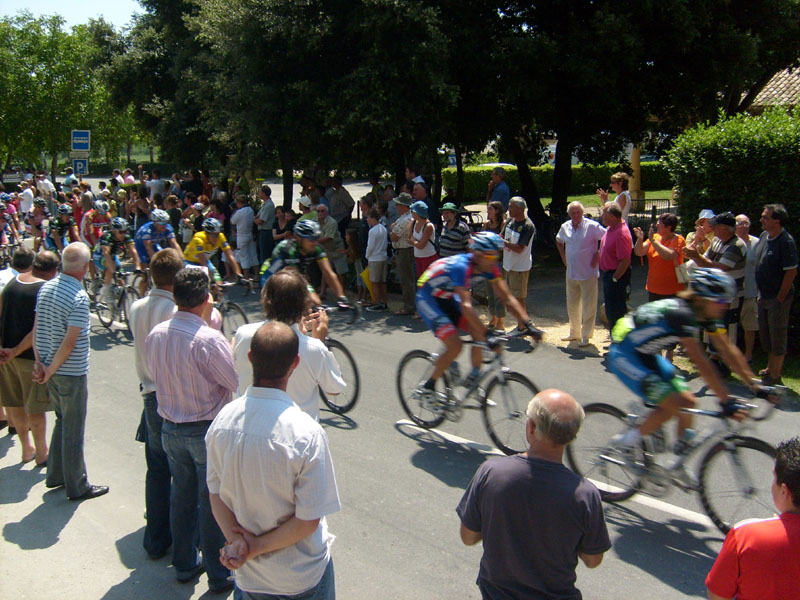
(733, 473)
(500, 393)
(344, 402)
(233, 315)
(117, 307)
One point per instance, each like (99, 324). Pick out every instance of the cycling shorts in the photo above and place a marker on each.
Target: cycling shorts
(49, 244)
(213, 274)
(100, 262)
(144, 258)
(651, 377)
(443, 316)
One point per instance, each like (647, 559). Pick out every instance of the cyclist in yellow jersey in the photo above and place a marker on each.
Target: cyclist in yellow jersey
(205, 244)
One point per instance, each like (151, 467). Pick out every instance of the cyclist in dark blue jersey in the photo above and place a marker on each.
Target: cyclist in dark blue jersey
(444, 301)
(639, 337)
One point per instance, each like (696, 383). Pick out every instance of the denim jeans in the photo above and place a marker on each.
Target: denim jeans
(190, 508)
(265, 244)
(324, 590)
(157, 534)
(65, 464)
(615, 296)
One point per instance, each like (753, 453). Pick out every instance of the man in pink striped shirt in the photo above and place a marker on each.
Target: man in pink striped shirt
(195, 376)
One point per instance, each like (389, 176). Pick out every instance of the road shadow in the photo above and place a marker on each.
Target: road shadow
(338, 421)
(6, 443)
(18, 479)
(573, 352)
(41, 528)
(450, 462)
(676, 551)
(105, 339)
(151, 578)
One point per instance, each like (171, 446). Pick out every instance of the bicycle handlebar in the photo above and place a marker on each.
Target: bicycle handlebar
(341, 307)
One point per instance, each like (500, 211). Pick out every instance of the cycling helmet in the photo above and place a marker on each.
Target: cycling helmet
(102, 207)
(2, 205)
(65, 209)
(212, 225)
(713, 284)
(159, 216)
(5, 197)
(119, 224)
(485, 241)
(40, 202)
(307, 229)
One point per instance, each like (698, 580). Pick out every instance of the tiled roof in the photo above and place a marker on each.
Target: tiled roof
(782, 90)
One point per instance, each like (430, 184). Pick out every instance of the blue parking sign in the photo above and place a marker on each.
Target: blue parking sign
(80, 166)
(81, 139)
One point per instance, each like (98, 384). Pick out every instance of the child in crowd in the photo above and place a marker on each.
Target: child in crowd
(377, 259)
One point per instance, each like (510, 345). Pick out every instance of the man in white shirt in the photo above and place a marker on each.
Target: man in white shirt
(155, 185)
(286, 298)
(26, 198)
(271, 480)
(518, 234)
(146, 313)
(578, 244)
(377, 259)
(242, 219)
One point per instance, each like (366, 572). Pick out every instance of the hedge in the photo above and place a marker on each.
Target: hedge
(738, 164)
(585, 178)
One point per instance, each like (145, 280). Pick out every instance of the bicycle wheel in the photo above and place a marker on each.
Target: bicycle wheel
(504, 411)
(233, 317)
(735, 481)
(414, 369)
(587, 454)
(341, 403)
(91, 285)
(107, 307)
(136, 283)
(131, 296)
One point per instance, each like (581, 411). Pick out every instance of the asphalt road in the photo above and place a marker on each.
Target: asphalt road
(397, 534)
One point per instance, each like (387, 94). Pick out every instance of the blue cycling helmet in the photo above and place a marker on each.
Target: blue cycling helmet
(119, 224)
(212, 225)
(714, 284)
(2, 205)
(307, 229)
(485, 241)
(159, 216)
(65, 209)
(102, 207)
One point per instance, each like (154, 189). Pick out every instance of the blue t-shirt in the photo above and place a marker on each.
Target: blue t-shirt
(501, 193)
(446, 274)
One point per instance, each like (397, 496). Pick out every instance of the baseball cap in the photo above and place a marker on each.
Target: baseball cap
(304, 201)
(706, 213)
(725, 218)
(198, 206)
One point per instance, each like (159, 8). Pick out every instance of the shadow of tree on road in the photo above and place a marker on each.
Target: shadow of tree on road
(676, 551)
(41, 528)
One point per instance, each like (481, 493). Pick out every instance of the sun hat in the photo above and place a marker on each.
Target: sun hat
(404, 199)
(706, 213)
(420, 208)
(450, 206)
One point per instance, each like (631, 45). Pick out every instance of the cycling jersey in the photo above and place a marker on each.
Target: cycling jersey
(35, 220)
(437, 302)
(641, 336)
(149, 233)
(200, 244)
(91, 223)
(59, 228)
(115, 246)
(289, 254)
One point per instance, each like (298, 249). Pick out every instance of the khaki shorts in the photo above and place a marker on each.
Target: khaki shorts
(17, 387)
(517, 283)
(748, 318)
(378, 271)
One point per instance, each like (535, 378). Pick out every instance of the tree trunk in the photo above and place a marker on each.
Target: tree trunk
(7, 164)
(54, 167)
(130, 149)
(759, 85)
(529, 190)
(459, 175)
(436, 173)
(562, 174)
(151, 156)
(288, 181)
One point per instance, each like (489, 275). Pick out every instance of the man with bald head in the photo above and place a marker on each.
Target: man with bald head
(271, 480)
(534, 516)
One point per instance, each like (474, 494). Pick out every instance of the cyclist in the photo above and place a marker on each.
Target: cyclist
(205, 244)
(444, 302)
(639, 337)
(301, 252)
(7, 224)
(117, 240)
(35, 217)
(61, 229)
(153, 236)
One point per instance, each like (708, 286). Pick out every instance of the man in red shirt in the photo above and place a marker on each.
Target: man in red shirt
(615, 263)
(759, 557)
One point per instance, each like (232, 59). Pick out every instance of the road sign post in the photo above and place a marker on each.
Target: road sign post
(81, 140)
(80, 166)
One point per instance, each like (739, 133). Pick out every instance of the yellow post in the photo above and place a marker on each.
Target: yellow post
(635, 186)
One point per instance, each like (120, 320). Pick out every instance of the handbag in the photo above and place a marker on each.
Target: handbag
(682, 272)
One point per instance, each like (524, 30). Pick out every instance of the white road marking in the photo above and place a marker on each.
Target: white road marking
(644, 500)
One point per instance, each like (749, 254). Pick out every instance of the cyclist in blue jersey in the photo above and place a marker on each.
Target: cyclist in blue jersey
(639, 337)
(153, 236)
(444, 302)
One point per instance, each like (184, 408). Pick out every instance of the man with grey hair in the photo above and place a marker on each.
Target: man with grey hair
(517, 234)
(498, 188)
(577, 242)
(61, 347)
(535, 516)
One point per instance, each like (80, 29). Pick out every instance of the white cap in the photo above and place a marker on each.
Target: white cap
(305, 201)
(706, 213)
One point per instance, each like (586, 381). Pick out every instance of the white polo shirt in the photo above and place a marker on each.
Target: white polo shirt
(268, 461)
(581, 246)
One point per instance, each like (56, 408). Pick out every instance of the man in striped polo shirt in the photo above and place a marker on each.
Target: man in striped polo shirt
(61, 346)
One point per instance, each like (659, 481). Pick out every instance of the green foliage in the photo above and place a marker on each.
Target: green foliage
(738, 164)
(585, 178)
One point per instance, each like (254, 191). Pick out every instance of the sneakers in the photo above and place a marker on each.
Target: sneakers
(377, 307)
(630, 455)
(471, 379)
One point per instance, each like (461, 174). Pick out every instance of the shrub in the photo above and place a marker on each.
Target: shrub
(585, 178)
